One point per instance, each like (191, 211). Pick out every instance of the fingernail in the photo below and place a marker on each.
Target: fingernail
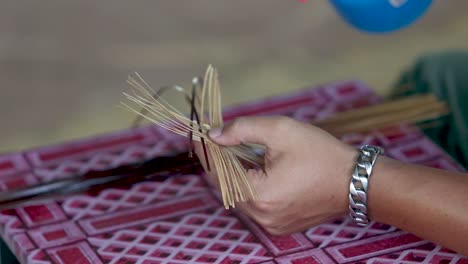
(215, 132)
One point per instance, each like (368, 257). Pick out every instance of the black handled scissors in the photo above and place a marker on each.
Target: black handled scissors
(154, 169)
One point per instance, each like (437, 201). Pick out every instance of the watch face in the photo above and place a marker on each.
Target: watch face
(381, 15)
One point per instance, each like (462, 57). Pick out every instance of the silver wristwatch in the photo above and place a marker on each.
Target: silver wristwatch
(359, 186)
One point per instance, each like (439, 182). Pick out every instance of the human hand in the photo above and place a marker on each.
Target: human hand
(306, 176)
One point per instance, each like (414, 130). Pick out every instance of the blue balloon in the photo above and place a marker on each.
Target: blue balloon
(381, 15)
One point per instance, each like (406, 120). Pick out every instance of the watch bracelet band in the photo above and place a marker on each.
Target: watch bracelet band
(359, 185)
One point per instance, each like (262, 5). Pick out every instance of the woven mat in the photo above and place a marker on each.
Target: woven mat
(180, 221)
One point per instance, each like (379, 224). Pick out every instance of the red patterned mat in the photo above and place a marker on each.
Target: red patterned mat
(180, 221)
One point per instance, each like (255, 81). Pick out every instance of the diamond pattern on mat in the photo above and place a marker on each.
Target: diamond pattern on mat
(205, 237)
(55, 235)
(417, 151)
(389, 138)
(277, 245)
(17, 181)
(102, 161)
(366, 248)
(344, 230)
(86, 148)
(428, 253)
(20, 245)
(279, 105)
(348, 91)
(10, 222)
(38, 257)
(306, 113)
(12, 164)
(111, 200)
(41, 214)
(81, 253)
(397, 135)
(313, 256)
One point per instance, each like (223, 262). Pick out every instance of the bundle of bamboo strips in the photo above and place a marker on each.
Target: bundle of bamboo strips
(207, 113)
(410, 110)
(232, 175)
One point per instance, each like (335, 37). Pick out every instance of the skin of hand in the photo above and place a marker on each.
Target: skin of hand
(306, 176)
(306, 180)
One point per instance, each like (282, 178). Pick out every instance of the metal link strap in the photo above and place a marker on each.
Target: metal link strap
(358, 188)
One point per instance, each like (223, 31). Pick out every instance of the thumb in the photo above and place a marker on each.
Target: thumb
(254, 130)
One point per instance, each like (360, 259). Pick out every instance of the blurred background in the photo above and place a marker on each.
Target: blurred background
(63, 64)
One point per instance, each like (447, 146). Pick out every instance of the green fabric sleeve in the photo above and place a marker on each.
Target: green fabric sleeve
(446, 76)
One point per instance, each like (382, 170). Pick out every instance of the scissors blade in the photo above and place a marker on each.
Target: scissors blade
(158, 168)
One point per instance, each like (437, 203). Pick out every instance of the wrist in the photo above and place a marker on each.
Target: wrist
(384, 191)
(348, 160)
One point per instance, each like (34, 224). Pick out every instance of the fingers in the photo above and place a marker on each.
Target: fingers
(257, 130)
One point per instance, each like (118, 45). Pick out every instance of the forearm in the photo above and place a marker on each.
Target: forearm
(430, 203)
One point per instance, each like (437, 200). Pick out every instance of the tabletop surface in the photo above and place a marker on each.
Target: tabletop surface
(181, 221)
